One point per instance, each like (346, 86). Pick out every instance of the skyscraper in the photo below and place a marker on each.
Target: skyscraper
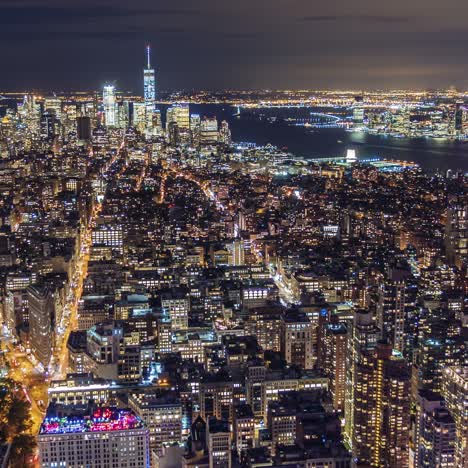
(377, 403)
(41, 318)
(218, 443)
(110, 106)
(178, 123)
(180, 115)
(48, 126)
(177, 303)
(455, 393)
(83, 128)
(362, 340)
(149, 85)
(53, 105)
(296, 339)
(209, 130)
(459, 117)
(434, 432)
(391, 312)
(456, 230)
(334, 357)
(78, 436)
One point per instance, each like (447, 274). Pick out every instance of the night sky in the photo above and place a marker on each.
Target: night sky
(214, 44)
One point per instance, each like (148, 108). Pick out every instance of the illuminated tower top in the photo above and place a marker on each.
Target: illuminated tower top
(110, 106)
(149, 81)
(148, 57)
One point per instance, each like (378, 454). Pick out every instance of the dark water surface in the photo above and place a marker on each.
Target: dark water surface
(430, 154)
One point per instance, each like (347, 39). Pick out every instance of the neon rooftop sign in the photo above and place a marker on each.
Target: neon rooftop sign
(102, 420)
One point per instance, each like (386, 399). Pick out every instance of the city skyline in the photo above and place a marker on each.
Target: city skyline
(244, 46)
(233, 278)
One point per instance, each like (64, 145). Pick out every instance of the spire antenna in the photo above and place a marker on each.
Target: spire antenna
(148, 51)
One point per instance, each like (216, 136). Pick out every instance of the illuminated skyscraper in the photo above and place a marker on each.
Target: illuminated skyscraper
(149, 84)
(41, 316)
(139, 116)
(334, 357)
(435, 436)
(106, 437)
(358, 116)
(209, 130)
(180, 115)
(225, 133)
(460, 116)
(48, 126)
(456, 233)
(110, 106)
(53, 105)
(362, 340)
(296, 340)
(178, 123)
(455, 393)
(218, 442)
(377, 403)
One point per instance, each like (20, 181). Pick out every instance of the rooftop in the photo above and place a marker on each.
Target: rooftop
(101, 420)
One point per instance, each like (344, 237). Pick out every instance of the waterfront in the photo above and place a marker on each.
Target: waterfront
(430, 154)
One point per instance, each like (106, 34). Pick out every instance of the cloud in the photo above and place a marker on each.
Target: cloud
(127, 35)
(241, 35)
(40, 15)
(365, 18)
(27, 15)
(35, 36)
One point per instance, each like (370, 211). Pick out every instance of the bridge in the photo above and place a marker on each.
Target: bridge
(320, 120)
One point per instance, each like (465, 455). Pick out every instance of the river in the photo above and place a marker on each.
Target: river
(430, 154)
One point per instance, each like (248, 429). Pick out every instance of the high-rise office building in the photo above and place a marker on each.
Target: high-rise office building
(377, 403)
(236, 249)
(110, 106)
(105, 437)
(157, 121)
(149, 84)
(392, 411)
(362, 340)
(83, 128)
(225, 133)
(460, 117)
(455, 393)
(244, 429)
(179, 114)
(113, 352)
(391, 312)
(195, 124)
(296, 339)
(108, 235)
(441, 346)
(41, 322)
(53, 105)
(209, 130)
(48, 126)
(218, 443)
(125, 109)
(456, 231)
(265, 323)
(178, 124)
(162, 415)
(334, 346)
(139, 116)
(434, 435)
(177, 303)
